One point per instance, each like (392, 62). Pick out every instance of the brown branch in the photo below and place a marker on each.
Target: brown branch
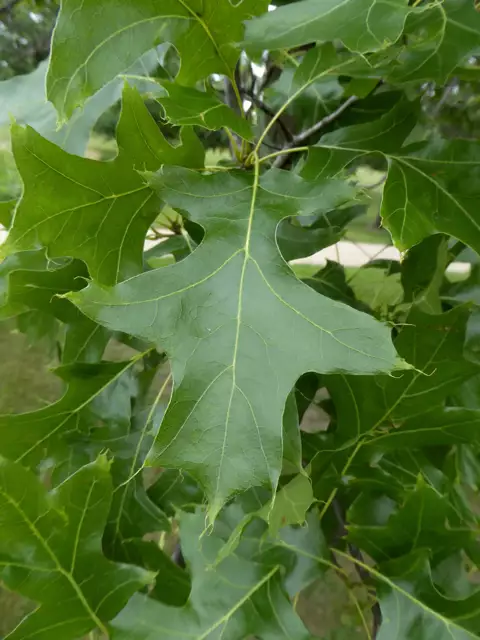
(318, 126)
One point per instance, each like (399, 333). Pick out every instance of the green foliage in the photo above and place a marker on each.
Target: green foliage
(126, 515)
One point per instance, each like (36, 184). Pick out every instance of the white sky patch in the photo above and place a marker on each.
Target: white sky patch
(36, 17)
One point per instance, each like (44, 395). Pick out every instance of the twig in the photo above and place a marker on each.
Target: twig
(177, 556)
(304, 135)
(270, 112)
(455, 251)
(318, 126)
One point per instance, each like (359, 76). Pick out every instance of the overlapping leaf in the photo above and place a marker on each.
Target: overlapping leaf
(23, 98)
(427, 341)
(204, 33)
(98, 212)
(212, 313)
(362, 25)
(187, 106)
(430, 187)
(30, 437)
(437, 42)
(243, 595)
(50, 546)
(422, 584)
(29, 283)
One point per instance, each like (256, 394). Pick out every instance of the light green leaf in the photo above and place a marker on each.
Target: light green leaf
(290, 505)
(186, 106)
(51, 551)
(83, 59)
(362, 25)
(212, 313)
(237, 598)
(96, 211)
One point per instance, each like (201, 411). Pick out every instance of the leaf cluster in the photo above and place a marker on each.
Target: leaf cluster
(183, 491)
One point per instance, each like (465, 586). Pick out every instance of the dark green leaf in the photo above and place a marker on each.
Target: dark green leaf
(438, 41)
(421, 195)
(238, 598)
(299, 240)
(331, 281)
(385, 530)
(439, 427)
(427, 341)
(175, 491)
(51, 552)
(29, 437)
(362, 25)
(233, 285)
(423, 272)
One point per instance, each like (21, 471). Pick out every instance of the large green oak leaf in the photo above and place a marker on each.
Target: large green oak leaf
(98, 212)
(93, 42)
(51, 552)
(238, 326)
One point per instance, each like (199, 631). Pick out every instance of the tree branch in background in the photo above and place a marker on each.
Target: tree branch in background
(318, 126)
(9, 6)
